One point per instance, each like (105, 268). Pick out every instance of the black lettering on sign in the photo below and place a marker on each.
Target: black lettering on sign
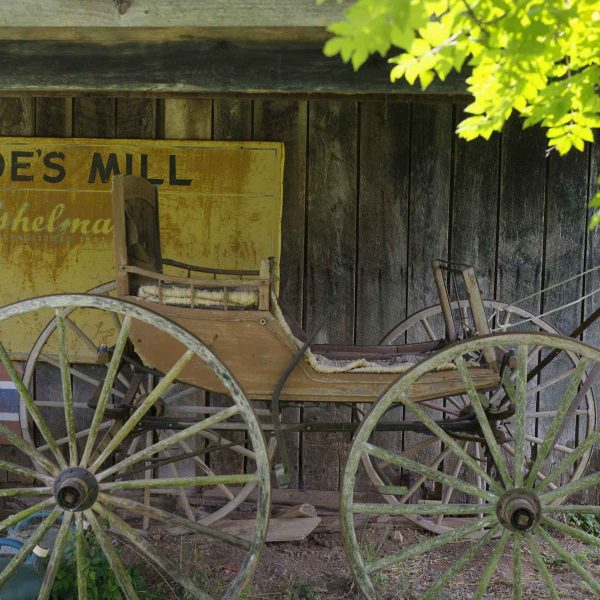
(144, 170)
(128, 164)
(50, 161)
(106, 171)
(2, 165)
(173, 172)
(17, 166)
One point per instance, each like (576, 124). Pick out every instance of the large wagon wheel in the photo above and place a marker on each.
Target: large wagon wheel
(428, 324)
(521, 500)
(179, 403)
(86, 481)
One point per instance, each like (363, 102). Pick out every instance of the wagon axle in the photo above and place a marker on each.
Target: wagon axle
(75, 489)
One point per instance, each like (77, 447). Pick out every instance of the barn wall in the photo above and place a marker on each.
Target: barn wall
(373, 192)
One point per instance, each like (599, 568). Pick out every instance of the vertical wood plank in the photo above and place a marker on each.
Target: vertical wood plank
(331, 260)
(232, 119)
(521, 224)
(430, 185)
(94, 117)
(430, 176)
(592, 282)
(188, 119)
(16, 118)
(475, 206)
(382, 219)
(53, 117)
(566, 193)
(384, 183)
(521, 220)
(136, 118)
(286, 121)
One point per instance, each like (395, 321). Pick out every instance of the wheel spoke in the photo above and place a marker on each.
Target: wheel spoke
(569, 559)
(67, 389)
(427, 327)
(113, 559)
(571, 508)
(421, 480)
(166, 482)
(56, 557)
(80, 334)
(443, 409)
(571, 459)
(550, 382)
(574, 532)
(539, 441)
(25, 472)
(80, 434)
(80, 558)
(23, 514)
(433, 591)
(206, 469)
(541, 567)
(430, 544)
(557, 423)
(113, 367)
(492, 565)
(137, 508)
(25, 491)
(422, 509)
(517, 567)
(450, 489)
(163, 563)
(81, 375)
(483, 422)
(143, 408)
(521, 402)
(166, 443)
(439, 476)
(35, 414)
(450, 442)
(571, 488)
(21, 555)
(182, 492)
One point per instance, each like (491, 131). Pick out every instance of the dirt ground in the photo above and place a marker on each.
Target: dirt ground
(316, 569)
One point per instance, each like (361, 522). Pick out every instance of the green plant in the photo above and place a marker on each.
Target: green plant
(586, 522)
(301, 589)
(101, 581)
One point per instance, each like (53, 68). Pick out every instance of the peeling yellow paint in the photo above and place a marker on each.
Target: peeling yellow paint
(220, 206)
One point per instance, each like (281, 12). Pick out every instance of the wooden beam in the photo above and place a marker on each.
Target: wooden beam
(109, 21)
(196, 67)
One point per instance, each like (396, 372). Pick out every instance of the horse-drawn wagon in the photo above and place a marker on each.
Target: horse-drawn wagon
(482, 430)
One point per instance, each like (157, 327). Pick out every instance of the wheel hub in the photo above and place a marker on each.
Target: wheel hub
(519, 510)
(75, 489)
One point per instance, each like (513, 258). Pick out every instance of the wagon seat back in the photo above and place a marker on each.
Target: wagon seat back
(139, 263)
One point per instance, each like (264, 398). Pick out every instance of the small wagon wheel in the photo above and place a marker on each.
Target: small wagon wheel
(428, 324)
(88, 482)
(179, 403)
(521, 500)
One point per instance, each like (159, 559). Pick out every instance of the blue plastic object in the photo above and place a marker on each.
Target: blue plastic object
(25, 584)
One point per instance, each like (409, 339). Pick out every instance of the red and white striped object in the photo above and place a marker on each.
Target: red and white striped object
(9, 405)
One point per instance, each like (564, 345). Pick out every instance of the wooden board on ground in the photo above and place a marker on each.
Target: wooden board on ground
(280, 530)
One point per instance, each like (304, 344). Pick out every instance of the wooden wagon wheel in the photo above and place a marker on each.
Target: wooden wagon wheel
(523, 490)
(179, 402)
(428, 324)
(86, 481)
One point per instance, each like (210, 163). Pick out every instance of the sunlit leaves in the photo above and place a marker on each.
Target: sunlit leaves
(536, 58)
(539, 58)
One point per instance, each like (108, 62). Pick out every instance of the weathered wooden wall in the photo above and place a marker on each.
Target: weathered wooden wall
(374, 191)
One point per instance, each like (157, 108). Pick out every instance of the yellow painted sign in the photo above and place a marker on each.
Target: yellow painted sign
(220, 206)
